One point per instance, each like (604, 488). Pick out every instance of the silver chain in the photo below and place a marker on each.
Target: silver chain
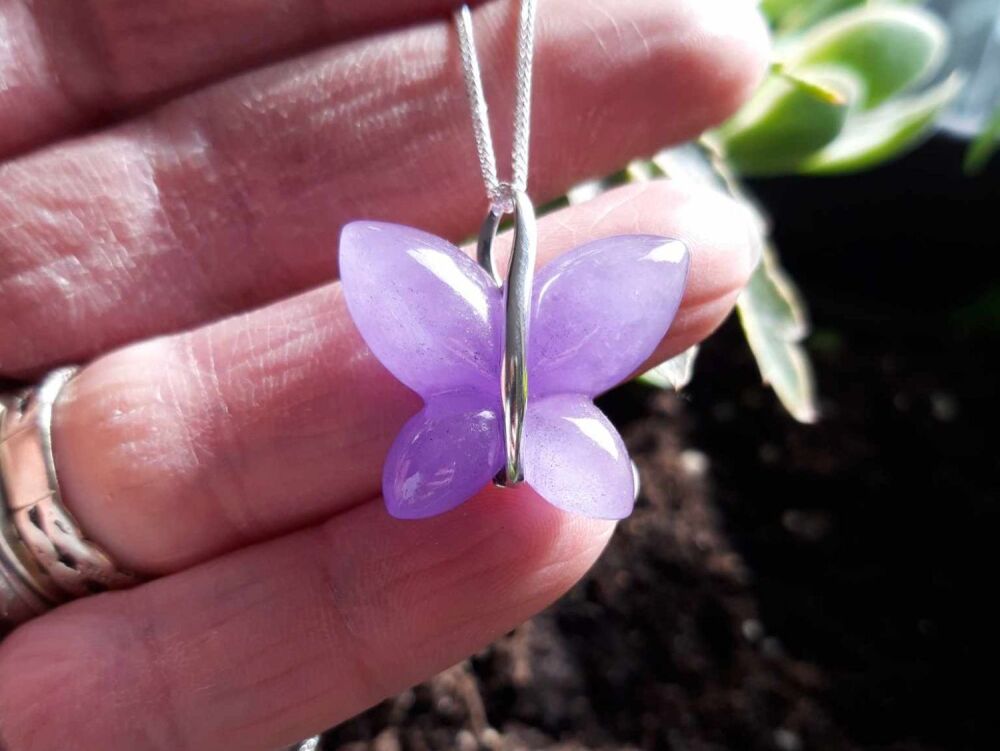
(500, 193)
(504, 198)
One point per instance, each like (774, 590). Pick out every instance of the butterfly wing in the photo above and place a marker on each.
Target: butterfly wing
(600, 311)
(446, 452)
(435, 320)
(428, 312)
(575, 459)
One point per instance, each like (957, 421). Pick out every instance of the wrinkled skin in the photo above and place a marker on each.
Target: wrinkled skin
(175, 177)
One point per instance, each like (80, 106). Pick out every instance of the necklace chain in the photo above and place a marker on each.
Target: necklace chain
(500, 193)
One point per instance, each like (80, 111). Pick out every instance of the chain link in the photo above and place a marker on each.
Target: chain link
(500, 193)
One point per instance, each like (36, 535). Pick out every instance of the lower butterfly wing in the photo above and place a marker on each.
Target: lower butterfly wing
(428, 312)
(600, 311)
(575, 459)
(446, 453)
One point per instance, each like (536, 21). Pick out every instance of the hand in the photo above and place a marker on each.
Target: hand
(185, 167)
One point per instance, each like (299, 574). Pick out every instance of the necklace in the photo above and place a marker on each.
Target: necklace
(470, 342)
(504, 198)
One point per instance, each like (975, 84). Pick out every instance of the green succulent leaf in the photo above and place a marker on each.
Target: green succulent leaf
(771, 311)
(776, 10)
(792, 15)
(774, 320)
(833, 105)
(888, 47)
(871, 138)
(789, 118)
(675, 373)
(984, 145)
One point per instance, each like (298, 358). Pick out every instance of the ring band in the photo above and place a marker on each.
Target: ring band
(44, 557)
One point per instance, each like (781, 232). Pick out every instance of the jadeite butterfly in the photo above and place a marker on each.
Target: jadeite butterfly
(435, 318)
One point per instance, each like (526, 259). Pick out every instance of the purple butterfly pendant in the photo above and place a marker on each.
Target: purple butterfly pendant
(435, 320)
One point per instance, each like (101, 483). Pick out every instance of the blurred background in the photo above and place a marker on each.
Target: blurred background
(810, 565)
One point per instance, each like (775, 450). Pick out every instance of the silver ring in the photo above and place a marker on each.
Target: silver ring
(517, 303)
(44, 557)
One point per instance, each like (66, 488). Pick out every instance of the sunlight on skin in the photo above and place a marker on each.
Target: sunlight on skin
(242, 455)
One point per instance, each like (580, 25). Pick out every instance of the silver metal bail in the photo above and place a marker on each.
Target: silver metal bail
(517, 305)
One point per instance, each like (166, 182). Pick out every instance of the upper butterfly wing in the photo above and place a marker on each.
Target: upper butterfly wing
(600, 310)
(428, 312)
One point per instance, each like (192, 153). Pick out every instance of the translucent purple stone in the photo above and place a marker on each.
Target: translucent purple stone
(427, 311)
(434, 318)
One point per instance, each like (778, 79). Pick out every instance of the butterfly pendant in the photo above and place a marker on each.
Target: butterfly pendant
(435, 319)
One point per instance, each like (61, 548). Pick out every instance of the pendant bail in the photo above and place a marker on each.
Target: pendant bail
(517, 306)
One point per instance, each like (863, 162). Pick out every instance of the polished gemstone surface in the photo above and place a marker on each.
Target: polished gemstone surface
(435, 319)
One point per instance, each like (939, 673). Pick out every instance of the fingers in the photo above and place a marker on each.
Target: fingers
(78, 63)
(176, 449)
(234, 196)
(279, 641)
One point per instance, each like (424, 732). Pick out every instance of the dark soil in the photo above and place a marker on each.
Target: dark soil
(779, 586)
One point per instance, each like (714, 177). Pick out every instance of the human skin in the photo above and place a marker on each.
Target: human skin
(175, 176)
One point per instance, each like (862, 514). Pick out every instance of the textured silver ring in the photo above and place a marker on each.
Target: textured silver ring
(45, 559)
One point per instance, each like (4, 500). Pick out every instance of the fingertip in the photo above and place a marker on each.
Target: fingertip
(538, 550)
(463, 577)
(723, 236)
(726, 236)
(731, 49)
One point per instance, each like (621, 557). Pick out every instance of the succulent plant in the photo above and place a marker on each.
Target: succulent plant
(984, 145)
(847, 91)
